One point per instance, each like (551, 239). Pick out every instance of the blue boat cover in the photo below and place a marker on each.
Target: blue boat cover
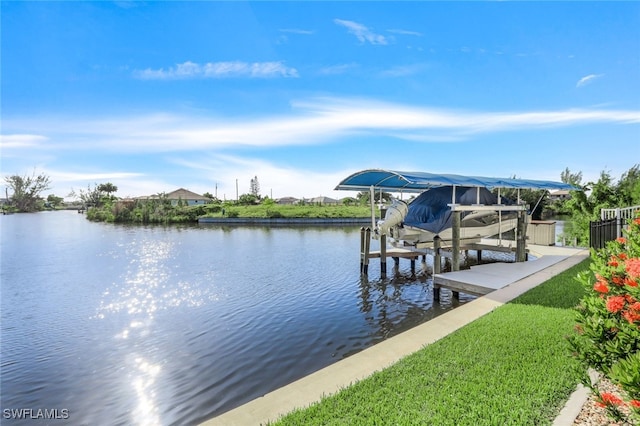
(396, 181)
(431, 211)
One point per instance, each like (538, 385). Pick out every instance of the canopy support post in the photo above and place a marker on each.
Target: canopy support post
(372, 196)
(521, 227)
(455, 236)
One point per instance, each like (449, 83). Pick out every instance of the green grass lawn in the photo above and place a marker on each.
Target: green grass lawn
(509, 367)
(294, 211)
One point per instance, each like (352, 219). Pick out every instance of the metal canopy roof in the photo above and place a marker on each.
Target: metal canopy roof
(396, 181)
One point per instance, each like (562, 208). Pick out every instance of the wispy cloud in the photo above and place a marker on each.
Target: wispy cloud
(218, 168)
(296, 31)
(229, 69)
(405, 32)
(20, 140)
(314, 121)
(588, 79)
(92, 176)
(404, 70)
(361, 32)
(337, 69)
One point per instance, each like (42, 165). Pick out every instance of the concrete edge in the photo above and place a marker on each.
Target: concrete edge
(574, 404)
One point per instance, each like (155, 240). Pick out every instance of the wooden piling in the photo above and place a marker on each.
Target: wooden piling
(383, 255)
(437, 266)
(367, 246)
(521, 237)
(455, 235)
(437, 257)
(362, 250)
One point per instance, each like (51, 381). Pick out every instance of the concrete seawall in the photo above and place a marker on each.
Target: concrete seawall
(284, 221)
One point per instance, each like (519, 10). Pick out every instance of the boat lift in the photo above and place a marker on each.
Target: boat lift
(419, 182)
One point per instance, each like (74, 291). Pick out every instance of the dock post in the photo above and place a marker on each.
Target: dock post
(367, 246)
(383, 255)
(521, 252)
(396, 264)
(413, 266)
(362, 249)
(437, 266)
(455, 236)
(437, 257)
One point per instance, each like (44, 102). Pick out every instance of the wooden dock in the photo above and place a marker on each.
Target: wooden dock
(395, 253)
(483, 279)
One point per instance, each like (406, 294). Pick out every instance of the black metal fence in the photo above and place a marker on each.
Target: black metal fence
(602, 231)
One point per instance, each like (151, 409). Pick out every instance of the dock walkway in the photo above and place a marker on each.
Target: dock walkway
(483, 279)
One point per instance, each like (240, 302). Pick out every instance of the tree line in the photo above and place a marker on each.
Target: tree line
(580, 208)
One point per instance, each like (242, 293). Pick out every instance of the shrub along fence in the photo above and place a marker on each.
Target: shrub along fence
(602, 231)
(610, 225)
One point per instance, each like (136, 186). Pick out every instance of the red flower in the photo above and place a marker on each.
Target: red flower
(631, 316)
(617, 279)
(633, 267)
(636, 221)
(621, 240)
(635, 306)
(609, 399)
(622, 256)
(615, 304)
(613, 262)
(634, 403)
(631, 283)
(601, 287)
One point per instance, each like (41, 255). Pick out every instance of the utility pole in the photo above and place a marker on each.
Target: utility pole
(237, 198)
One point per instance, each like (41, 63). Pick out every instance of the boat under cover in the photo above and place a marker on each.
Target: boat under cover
(430, 215)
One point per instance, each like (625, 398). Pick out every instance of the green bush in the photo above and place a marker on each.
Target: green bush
(274, 214)
(607, 336)
(214, 208)
(100, 215)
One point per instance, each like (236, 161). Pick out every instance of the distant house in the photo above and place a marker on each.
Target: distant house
(288, 200)
(185, 196)
(189, 198)
(559, 194)
(323, 201)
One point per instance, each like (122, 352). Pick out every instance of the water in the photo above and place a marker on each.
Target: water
(138, 325)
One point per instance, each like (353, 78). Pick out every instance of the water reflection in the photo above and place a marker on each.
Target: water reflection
(174, 325)
(144, 384)
(148, 284)
(392, 305)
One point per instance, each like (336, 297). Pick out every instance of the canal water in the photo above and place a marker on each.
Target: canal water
(131, 325)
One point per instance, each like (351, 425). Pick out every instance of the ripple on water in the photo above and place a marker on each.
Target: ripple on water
(174, 325)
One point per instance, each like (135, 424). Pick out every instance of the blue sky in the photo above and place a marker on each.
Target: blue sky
(153, 96)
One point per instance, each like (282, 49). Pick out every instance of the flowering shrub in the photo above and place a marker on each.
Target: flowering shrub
(607, 336)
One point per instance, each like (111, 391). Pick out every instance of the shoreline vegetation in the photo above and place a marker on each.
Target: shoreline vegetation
(164, 212)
